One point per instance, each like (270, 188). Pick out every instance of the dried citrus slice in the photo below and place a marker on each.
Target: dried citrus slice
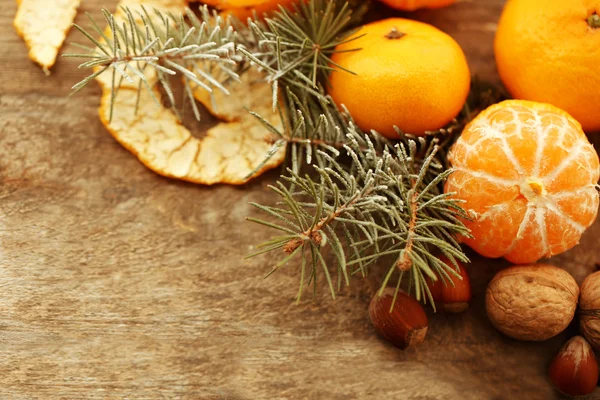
(175, 7)
(257, 97)
(229, 152)
(528, 176)
(44, 26)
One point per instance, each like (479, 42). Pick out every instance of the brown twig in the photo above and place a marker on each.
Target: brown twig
(405, 262)
(314, 233)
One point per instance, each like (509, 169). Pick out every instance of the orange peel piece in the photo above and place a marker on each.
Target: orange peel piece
(228, 154)
(258, 95)
(44, 26)
(175, 7)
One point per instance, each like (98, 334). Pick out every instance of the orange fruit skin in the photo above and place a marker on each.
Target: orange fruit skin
(244, 9)
(546, 51)
(527, 175)
(412, 5)
(418, 82)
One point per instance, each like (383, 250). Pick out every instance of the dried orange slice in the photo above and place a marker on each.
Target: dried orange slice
(257, 97)
(175, 7)
(229, 152)
(44, 26)
(528, 176)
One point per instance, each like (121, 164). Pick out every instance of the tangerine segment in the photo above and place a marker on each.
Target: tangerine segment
(533, 169)
(481, 192)
(562, 233)
(526, 244)
(576, 170)
(480, 153)
(580, 206)
(494, 231)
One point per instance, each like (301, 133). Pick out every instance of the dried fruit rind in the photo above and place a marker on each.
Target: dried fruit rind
(228, 153)
(257, 97)
(44, 26)
(534, 302)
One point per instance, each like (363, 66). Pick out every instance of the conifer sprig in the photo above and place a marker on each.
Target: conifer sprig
(147, 47)
(380, 203)
(295, 46)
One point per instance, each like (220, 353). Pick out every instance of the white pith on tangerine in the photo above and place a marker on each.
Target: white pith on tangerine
(528, 176)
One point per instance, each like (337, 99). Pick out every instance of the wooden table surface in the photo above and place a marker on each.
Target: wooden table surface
(116, 283)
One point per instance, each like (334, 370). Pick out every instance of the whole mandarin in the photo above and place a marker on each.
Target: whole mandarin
(412, 5)
(551, 54)
(406, 73)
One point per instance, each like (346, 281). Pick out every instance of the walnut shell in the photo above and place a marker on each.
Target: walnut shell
(589, 309)
(532, 302)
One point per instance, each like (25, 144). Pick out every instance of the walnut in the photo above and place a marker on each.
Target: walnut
(532, 302)
(589, 308)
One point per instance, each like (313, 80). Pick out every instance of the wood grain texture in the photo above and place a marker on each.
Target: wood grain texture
(116, 283)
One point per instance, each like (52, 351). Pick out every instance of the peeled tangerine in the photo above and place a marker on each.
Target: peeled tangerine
(528, 177)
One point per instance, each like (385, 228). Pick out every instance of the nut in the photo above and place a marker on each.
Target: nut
(532, 302)
(453, 296)
(403, 325)
(589, 309)
(574, 370)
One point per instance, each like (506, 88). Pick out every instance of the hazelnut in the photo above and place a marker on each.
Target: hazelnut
(404, 324)
(589, 309)
(532, 302)
(453, 296)
(574, 370)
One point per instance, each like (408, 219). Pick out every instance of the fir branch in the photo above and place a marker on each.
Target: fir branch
(295, 46)
(154, 47)
(386, 204)
(312, 125)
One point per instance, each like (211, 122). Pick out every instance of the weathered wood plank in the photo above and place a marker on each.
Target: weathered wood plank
(116, 283)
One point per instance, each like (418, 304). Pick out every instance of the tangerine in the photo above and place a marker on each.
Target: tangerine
(412, 5)
(528, 177)
(406, 73)
(551, 54)
(243, 9)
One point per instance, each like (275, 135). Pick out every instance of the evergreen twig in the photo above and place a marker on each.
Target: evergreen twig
(156, 46)
(383, 203)
(295, 46)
